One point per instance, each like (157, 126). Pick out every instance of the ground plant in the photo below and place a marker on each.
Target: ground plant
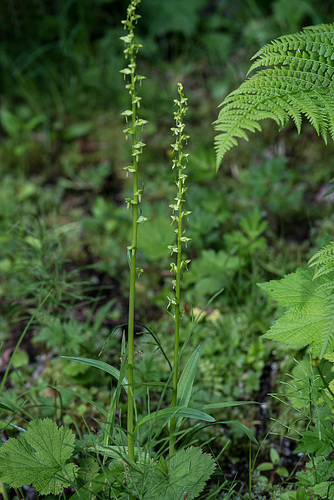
(156, 430)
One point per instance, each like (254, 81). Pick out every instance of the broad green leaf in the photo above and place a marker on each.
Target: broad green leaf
(295, 289)
(39, 458)
(188, 473)
(176, 411)
(101, 365)
(325, 490)
(310, 319)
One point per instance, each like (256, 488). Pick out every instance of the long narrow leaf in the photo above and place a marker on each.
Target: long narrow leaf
(177, 411)
(186, 381)
(228, 404)
(101, 365)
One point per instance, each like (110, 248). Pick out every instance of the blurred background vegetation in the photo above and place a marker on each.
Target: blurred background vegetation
(63, 222)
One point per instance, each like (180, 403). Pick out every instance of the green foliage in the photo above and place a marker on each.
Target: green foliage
(172, 16)
(155, 237)
(273, 465)
(272, 186)
(87, 201)
(40, 458)
(248, 242)
(296, 82)
(301, 494)
(316, 475)
(211, 272)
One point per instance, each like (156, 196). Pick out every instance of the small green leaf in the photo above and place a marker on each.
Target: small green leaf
(274, 456)
(39, 458)
(265, 466)
(282, 471)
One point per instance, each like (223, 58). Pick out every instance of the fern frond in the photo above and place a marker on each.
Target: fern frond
(293, 76)
(323, 260)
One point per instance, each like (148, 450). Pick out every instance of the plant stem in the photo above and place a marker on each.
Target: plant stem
(176, 268)
(176, 329)
(137, 147)
(133, 254)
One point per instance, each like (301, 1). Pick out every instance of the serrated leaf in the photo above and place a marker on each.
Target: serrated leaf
(313, 441)
(293, 290)
(310, 319)
(325, 490)
(39, 458)
(189, 470)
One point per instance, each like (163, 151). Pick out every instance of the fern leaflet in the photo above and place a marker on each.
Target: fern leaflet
(293, 77)
(323, 260)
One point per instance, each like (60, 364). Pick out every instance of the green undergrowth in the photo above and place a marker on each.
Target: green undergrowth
(64, 268)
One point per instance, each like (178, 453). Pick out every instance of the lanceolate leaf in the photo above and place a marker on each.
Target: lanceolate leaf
(187, 378)
(310, 317)
(101, 365)
(39, 458)
(176, 411)
(293, 77)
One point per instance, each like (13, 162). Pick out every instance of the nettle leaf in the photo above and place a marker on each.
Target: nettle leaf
(39, 458)
(310, 317)
(189, 470)
(325, 490)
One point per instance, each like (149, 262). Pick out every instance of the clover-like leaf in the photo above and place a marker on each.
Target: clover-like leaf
(39, 458)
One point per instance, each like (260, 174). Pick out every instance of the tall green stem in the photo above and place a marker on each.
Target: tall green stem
(176, 268)
(137, 147)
